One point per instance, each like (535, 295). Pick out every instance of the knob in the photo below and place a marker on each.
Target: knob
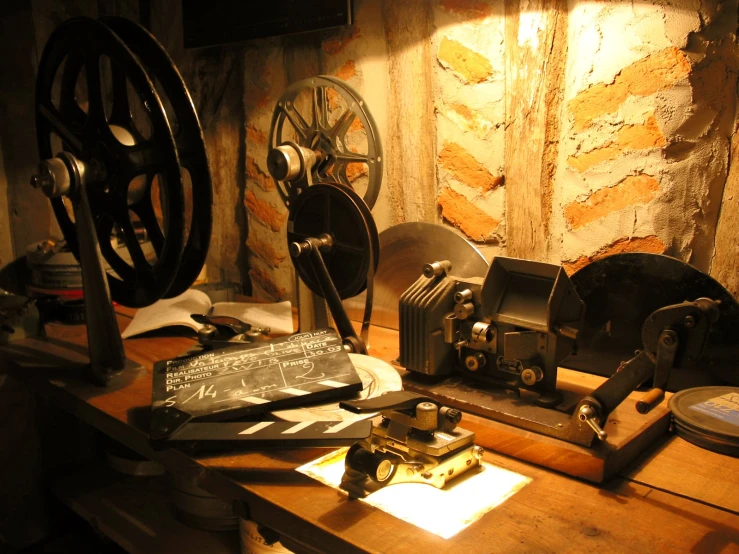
(379, 467)
(587, 414)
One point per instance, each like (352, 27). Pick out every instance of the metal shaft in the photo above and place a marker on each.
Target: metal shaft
(312, 248)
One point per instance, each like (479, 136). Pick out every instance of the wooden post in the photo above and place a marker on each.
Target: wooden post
(410, 152)
(725, 263)
(536, 49)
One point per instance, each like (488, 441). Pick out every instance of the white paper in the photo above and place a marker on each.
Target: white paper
(444, 512)
(168, 312)
(176, 311)
(277, 316)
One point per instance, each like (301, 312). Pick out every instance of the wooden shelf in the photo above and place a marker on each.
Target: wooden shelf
(136, 513)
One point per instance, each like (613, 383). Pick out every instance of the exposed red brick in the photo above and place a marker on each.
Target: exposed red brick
(334, 99)
(646, 76)
(335, 45)
(264, 212)
(347, 71)
(466, 169)
(463, 214)
(263, 280)
(473, 9)
(470, 65)
(356, 127)
(628, 137)
(255, 173)
(255, 136)
(634, 189)
(265, 251)
(356, 170)
(651, 244)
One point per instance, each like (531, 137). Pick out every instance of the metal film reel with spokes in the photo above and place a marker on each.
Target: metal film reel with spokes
(111, 167)
(322, 131)
(190, 143)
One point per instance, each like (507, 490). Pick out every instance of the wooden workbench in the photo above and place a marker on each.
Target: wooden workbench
(676, 498)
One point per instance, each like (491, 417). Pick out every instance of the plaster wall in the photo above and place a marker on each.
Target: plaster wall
(647, 122)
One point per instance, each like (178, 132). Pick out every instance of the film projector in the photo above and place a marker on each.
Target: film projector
(121, 150)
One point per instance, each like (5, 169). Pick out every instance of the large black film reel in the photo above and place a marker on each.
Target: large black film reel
(188, 136)
(96, 98)
(621, 291)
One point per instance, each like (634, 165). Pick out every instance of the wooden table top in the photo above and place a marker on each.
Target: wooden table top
(675, 498)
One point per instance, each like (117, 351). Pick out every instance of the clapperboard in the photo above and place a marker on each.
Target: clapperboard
(191, 393)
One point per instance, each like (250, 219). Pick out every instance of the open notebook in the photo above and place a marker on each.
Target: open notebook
(176, 312)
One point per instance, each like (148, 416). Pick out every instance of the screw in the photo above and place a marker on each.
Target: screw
(689, 321)
(668, 340)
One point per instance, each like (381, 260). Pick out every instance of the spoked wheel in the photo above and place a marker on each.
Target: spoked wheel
(328, 117)
(96, 100)
(188, 136)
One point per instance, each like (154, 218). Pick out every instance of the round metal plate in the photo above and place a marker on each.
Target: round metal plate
(708, 417)
(337, 210)
(622, 290)
(404, 249)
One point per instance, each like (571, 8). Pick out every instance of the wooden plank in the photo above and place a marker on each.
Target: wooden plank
(725, 262)
(535, 65)
(688, 470)
(29, 210)
(410, 161)
(136, 513)
(553, 513)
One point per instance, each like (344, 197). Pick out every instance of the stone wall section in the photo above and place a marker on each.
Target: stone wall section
(270, 269)
(469, 103)
(645, 138)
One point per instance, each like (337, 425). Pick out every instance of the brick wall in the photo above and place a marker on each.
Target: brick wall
(646, 112)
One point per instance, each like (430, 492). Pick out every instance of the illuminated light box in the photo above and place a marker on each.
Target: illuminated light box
(465, 500)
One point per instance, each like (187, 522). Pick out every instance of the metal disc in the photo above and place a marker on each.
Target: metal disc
(404, 249)
(708, 417)
(81, 45)
(378, 377)
(188, 135)
(337, 210)
(318, 120)
(622, 290)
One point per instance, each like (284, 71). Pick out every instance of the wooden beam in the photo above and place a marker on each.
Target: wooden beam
(536, 49)
(725, 263)
(28, 209)
(410, 150)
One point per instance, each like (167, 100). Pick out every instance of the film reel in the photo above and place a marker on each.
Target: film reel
(323, 132)
(335, 210)
(335, 248)
(117, 131)
(95, 92)
(190, 144)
